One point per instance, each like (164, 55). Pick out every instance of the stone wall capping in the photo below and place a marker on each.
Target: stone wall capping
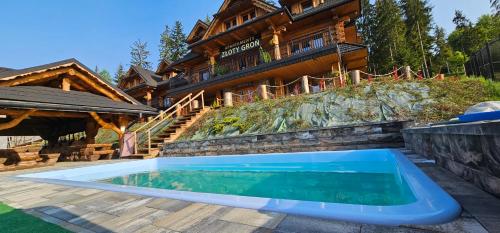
(469, 150)
(347, 137)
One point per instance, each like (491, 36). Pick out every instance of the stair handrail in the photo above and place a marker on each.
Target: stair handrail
(191, 99)
(160, 116)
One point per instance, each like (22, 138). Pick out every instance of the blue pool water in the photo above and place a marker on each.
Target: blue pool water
(367, 186)
(272, 181)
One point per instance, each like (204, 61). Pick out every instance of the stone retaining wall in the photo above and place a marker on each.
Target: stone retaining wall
(470, 150)
(359, 136)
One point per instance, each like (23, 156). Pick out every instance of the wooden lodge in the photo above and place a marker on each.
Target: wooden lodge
(60, 99)
(251, 43)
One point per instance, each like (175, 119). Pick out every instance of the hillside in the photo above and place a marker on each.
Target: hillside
(422, 101)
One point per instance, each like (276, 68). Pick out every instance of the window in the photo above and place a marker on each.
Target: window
(204, 75)
(248, 16)
(306, 5)
(230, 23)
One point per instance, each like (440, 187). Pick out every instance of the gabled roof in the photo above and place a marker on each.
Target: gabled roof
(55, 99)
(193, 34)
(149, 76)
(4, 69)
(227, 4)
(11, 74)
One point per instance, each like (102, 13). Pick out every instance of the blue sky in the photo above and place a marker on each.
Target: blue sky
(100, 32)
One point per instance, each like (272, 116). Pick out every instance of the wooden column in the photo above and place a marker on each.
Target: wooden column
(212, 64)
(280, 90)
(305, 84)
(148, 97)
(407, 72)
(66, 84)
(263, 92)
(355, 77)
(276, 43)
(339, 29)
(228, 99)
(91, 129)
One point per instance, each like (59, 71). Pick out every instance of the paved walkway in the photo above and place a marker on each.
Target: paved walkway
(91, 210)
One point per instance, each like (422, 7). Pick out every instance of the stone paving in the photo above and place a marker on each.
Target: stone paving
(91, 210)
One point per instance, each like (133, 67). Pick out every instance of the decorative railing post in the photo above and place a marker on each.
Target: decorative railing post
(305, 84)
(407, 72)
(355, 77)
(228, 99)
(263, 92)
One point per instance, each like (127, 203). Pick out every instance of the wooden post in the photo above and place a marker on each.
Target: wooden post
(263, 92)
(305, 84)
(276, 43)
(65, 84)
(355, 77)
(407, 72)
(212, 64)
(196, 104)
(280, 90)
(148, 97)
(228, 99)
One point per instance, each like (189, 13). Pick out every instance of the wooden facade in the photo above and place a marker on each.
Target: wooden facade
(250, 43)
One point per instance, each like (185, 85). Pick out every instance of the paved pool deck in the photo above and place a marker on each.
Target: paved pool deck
(92, 210)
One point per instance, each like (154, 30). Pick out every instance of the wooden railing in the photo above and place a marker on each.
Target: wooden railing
(316, 40)
(175, 109)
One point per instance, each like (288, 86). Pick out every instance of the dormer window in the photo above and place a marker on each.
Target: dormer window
(230, 23)
(248, 16)
(306, 5)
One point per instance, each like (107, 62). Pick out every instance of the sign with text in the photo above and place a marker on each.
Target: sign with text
(240, 46)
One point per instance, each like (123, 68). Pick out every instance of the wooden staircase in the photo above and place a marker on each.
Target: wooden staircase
(181, 116)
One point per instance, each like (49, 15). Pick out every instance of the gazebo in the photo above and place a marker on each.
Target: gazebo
(63, 98)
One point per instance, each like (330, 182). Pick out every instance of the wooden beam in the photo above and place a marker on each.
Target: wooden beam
(91, 83)
(16, 112)
(65, 84)
(34, 77)
(13, 123)
(105, 124)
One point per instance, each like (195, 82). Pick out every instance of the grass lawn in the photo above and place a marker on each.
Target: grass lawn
(14, 220)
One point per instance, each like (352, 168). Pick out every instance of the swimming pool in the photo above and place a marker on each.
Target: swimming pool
(368, 186)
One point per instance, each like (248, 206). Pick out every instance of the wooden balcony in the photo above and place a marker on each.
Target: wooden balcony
(260, 57)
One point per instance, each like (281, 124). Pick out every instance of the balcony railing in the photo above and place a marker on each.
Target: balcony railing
(260, 56)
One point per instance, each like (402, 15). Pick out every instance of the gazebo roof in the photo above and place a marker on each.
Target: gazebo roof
(55, 99)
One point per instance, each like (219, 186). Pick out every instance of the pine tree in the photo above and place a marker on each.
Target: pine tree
(442, 51)
(388, 47)
(166, 44)
(208, 20)
(120, 72)
(139, 55)
(495, 6)
(418, 21)
(179, 48)
(105, 75)
(366, 25)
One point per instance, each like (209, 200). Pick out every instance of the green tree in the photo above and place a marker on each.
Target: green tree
(469, 38)
(173, 44)
(105, 75)
(166, 44)
(365, 24)
(495, 6)
(179, 48)
(456, 62)
(441, 51)
(388, 47)
(139, 54)
(120, 72)
(418, 21)
(208, 19)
